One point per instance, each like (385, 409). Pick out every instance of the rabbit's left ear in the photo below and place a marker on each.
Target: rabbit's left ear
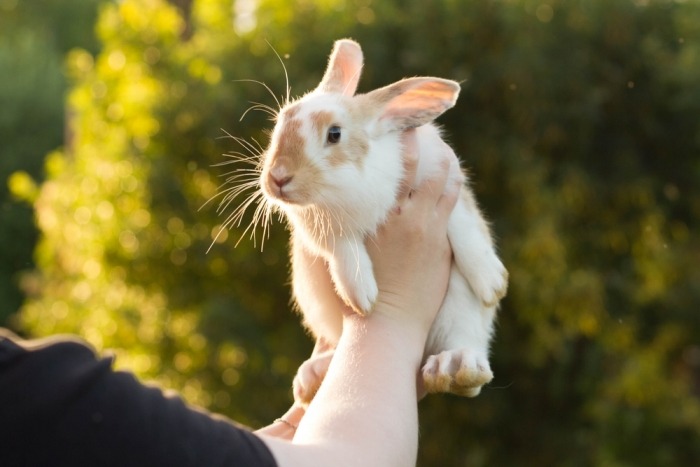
(344, 68)
(412, 102)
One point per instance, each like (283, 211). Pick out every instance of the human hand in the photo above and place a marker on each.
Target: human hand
(286, 426)
(410, 253)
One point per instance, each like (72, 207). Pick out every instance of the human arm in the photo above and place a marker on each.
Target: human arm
(365, 412)
(62, 405)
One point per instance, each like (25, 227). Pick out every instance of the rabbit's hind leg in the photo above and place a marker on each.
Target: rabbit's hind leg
(458, 344)
(462, 372)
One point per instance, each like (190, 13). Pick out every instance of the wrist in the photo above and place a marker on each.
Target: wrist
(390, 325)
(410, 314)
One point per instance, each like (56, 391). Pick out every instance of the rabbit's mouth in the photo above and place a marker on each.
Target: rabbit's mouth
(284, 191)
(281, 194)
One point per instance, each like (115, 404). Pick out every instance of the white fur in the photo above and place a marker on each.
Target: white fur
(335, 209)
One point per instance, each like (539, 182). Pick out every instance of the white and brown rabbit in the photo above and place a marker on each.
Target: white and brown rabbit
(334, 167)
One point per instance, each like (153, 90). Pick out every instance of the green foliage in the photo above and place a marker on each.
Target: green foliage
(579, 122)
(33, 38)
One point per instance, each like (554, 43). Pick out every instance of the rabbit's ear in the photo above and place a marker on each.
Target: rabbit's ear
(413, 102)
(344, 68)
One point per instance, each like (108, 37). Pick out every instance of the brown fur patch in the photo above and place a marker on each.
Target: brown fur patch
(290, 146)
(358, 147)
(354, 145)
(290, 112)
(353, 149)
(320, 122)
(337, 157)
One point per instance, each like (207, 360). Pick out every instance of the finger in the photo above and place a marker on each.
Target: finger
(295, 414)
(285, 426)
(410, 163)
(448, 200)
(431, 190)
(452, 191)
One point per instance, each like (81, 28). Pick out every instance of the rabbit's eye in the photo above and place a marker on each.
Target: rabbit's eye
(333, 135)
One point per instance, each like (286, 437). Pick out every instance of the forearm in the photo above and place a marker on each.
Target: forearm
(360, 415)
(360, 403)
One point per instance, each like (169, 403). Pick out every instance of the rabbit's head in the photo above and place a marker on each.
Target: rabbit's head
(334, 149)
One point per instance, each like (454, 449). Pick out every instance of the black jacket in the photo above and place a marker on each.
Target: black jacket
(61, 405)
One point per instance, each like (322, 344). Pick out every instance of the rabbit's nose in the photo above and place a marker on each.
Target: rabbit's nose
(280, 175)
(281, 181)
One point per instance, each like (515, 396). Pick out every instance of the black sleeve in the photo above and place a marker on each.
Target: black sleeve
(62, 406)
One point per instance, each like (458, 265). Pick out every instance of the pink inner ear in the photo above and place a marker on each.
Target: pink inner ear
(422, 108)
(430, 93)
(344, 68)
(414, 102)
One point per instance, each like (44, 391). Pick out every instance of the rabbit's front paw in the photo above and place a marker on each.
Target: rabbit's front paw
(364, 296)
(490, 282)
(353, 277)
(309, 377)
(360, 295)
(460, 372)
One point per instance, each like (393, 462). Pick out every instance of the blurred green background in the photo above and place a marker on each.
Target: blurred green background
(579, 121)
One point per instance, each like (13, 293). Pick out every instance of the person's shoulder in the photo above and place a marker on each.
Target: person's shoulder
(13, 346)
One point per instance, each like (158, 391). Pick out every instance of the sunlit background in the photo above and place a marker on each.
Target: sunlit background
(579, 121)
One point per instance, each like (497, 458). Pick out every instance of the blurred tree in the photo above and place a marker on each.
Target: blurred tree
(34, 36)
(579, 121)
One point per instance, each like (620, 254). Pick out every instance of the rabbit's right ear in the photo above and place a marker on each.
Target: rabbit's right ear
(412, 102)
(344, 68)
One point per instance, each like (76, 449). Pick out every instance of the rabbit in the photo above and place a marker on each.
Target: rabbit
(333, 167)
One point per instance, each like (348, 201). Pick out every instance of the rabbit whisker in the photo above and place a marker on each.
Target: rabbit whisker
(261, 83)
(229, 198)
(261, 107)
(236, 217)
(286, 76)
(247, 145)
